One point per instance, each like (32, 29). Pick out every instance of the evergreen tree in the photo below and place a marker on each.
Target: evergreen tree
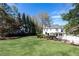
(72, 17)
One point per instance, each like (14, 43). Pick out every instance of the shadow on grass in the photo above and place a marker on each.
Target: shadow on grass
(15, 36)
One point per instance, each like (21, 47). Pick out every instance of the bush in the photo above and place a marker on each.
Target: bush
(7, 38)
(40, 35)
(2, 38)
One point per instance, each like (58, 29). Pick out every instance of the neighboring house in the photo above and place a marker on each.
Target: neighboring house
(55, 30)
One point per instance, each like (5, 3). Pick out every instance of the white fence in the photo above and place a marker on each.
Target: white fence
(71, 39)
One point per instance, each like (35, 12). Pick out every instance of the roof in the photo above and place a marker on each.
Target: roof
(55, 26)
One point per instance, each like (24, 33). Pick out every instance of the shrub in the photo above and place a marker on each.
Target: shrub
(39, 35)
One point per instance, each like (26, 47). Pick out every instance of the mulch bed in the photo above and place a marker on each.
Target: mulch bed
(8, 38)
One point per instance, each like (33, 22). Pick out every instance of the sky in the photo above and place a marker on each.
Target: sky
(54, 10)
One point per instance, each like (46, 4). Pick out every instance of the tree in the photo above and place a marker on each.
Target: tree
(32, 26)
(20, 19)
(8, 23)
(14, 12)
(44, 19)
(12, 22)
(72, 17)
(7, 8)
(37, 24)
(24, 20)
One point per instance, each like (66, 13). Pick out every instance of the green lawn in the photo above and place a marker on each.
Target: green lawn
(32, 45)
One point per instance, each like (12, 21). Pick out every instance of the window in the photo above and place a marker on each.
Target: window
(61, 30)
(60, 34)
(56, 34)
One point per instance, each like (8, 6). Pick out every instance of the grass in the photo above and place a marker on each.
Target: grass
(33, 46)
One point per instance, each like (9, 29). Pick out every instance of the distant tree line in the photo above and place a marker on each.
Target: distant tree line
(14, 23)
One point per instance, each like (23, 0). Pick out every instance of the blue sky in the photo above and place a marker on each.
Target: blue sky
(53, 9)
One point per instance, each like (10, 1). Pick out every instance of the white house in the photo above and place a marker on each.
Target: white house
(55, 30)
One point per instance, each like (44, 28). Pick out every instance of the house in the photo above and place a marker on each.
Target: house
(55, 30)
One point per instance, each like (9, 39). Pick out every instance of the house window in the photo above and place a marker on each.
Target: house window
(56, 34)
(46, 33)
(61, 30)
(60, 34)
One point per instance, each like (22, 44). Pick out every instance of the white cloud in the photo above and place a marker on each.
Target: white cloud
(11, 4)
(56, 16)
(59, 12)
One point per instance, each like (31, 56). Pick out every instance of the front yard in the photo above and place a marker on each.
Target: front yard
(34, 46)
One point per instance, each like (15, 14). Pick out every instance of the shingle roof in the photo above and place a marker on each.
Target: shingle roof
(55, 26)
